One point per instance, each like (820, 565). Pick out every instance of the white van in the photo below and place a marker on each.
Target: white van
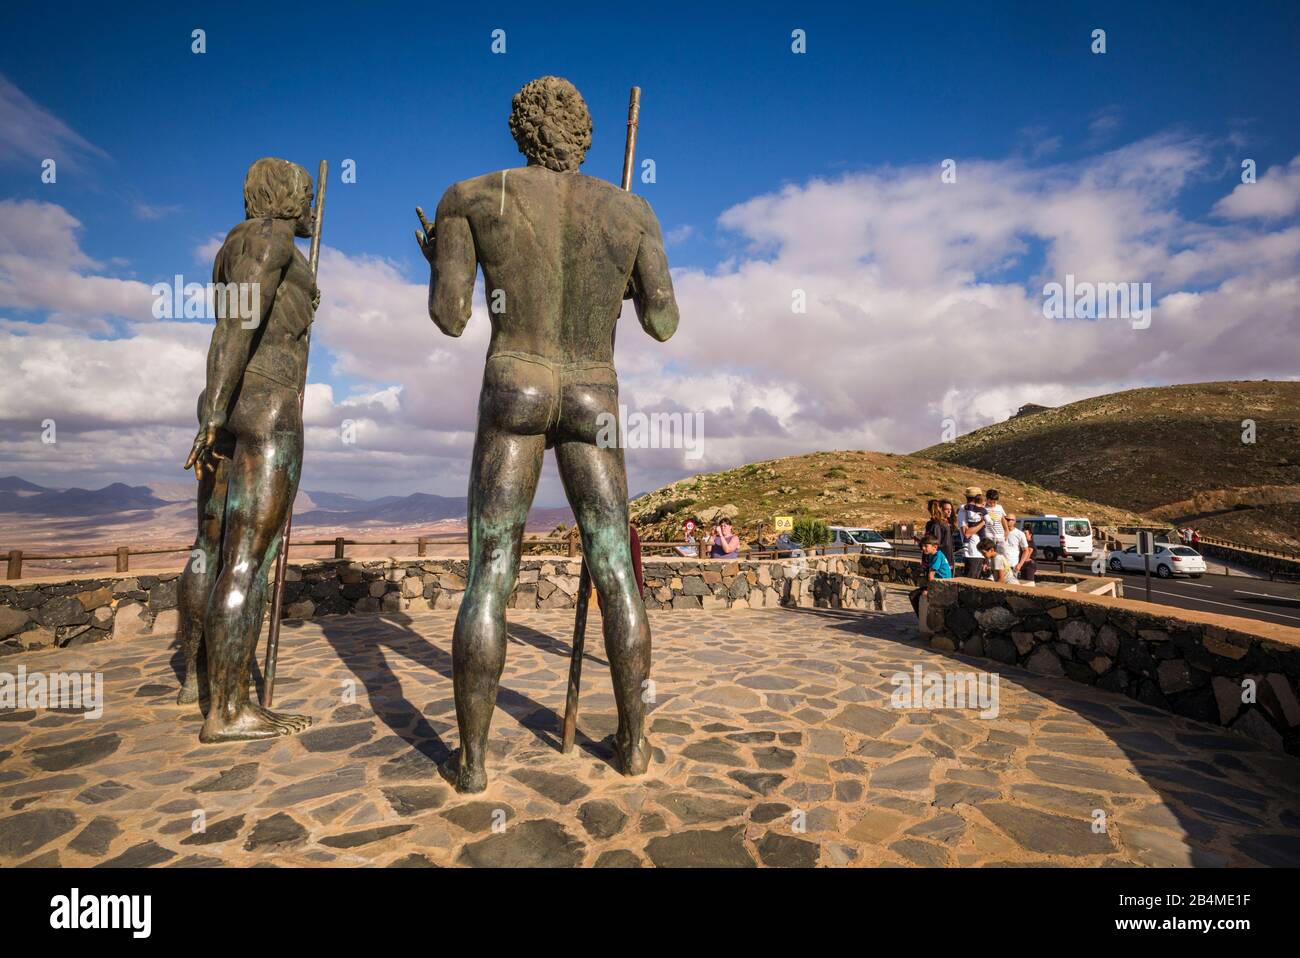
(1056, 537)
(852, 539)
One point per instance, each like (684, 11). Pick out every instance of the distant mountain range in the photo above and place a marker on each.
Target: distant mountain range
(339, 509)
(27, 498)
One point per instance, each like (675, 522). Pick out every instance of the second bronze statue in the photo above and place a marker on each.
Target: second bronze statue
(559, 252)
(247, 455)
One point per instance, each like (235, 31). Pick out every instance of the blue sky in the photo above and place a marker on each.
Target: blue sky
(413, 94)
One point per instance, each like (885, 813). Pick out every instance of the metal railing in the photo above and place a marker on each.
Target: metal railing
(570, 544)
(1255, 550)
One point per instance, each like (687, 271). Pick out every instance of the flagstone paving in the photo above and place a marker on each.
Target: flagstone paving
(775, 743)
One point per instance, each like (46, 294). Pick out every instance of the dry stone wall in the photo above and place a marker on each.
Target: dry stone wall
(39, 613)
(1227, 671)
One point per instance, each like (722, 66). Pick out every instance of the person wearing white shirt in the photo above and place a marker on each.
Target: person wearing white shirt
(996, 514)
(1015, 546)
(972, 520)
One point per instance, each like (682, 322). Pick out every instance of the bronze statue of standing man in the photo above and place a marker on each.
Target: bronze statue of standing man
(559, 252)
(248, 452)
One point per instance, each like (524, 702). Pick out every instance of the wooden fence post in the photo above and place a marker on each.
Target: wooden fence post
(421, 546)
(123, 559)
(15, 570)
(573, 542)
(338, 547)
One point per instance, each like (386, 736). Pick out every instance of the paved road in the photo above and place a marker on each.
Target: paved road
(1244, 595)
(1277, 602)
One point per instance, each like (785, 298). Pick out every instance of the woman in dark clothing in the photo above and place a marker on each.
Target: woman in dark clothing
(939, 527)
(1028, 568)
(950, 543)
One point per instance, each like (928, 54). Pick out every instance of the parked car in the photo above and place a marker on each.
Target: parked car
(846, 539)
(786, 547)
(1056, 536)
(1169, 560)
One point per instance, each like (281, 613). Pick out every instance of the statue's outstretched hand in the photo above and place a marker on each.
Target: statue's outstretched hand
(204, 450)
(425, 236)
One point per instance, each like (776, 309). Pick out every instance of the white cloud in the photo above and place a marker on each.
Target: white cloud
(42, 267)
(1275, 194)
(918, 309)
(150, 211)
(33, 134)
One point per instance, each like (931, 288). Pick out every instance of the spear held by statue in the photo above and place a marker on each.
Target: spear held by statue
(282, 557)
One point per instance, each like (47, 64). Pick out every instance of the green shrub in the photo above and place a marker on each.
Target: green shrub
(811, 533)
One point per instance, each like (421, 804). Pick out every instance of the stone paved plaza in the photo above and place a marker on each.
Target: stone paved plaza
(776, 744)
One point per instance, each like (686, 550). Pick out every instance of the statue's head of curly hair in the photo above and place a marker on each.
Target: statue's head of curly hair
(551, 124)
(276, 188)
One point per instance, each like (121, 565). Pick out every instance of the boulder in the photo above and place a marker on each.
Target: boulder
(132, 619)
(12, 621)
(1044, 662)
(1077, 632)
(996, 619)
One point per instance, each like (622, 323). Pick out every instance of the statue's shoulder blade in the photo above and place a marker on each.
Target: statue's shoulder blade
(270, 242)
(461, 196)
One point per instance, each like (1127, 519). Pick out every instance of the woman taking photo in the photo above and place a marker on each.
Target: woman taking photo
(726, 544)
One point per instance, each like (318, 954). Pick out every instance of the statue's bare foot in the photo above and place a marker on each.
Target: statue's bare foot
(250, 723)
(189, 693)
(463, 778)
(632, 760)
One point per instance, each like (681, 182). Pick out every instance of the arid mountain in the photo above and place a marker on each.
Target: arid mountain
(389, 510)
(854, 488)
(63, 503)
(49, 522)
(1224, 457)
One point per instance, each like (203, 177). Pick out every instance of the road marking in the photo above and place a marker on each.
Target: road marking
(1265, 595)
(1195, 585)
(1227, 605)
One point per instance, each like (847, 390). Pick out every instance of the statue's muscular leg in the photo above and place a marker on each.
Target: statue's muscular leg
(263, 482)
(596, 485)
(199, 575)
(502, 482)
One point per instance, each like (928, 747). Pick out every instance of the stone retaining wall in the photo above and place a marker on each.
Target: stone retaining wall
(1192, 663)
(39, 613)
(392, 585)
(1273, 565)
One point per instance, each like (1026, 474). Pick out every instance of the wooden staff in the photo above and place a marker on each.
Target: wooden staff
(282, 558)
(629, 146)
(584, 576)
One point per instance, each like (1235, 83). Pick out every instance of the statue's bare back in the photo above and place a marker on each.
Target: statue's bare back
(557, 251)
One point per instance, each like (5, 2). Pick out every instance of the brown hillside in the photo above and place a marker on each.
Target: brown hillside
(853, 488)
(1175, 452)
